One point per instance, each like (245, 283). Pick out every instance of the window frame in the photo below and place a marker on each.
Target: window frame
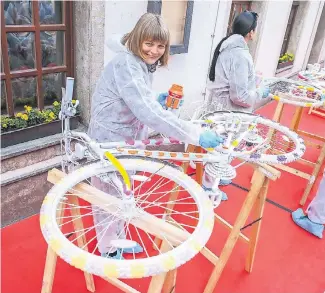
(38, 72)
(232, 10)
(155, 7)
(285, 42)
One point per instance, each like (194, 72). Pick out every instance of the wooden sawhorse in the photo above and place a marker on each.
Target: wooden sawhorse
(254, 202)
(320, 160)
(318, 111)
(165, 283)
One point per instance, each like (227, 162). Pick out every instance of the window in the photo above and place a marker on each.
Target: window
(290, 25)
(236, 8)
(36, 53)
(178, 17)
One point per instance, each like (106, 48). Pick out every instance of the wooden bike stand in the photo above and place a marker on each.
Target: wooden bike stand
(316, 165)
(255, 200)
(318, 111)
(163, 283)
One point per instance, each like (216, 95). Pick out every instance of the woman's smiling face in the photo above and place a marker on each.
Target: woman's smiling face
(152, 51)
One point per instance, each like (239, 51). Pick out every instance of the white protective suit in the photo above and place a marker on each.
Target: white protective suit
(316, 209)
(234, 88)
(123, 107)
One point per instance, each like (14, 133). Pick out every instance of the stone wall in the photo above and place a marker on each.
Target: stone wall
(89, 22)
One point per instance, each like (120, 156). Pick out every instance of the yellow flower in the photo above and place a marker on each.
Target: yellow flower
(19, 114)
(73, 102)
(52, 115)
(28, 108)
(4, 125)
(24, 117)
(56, 103)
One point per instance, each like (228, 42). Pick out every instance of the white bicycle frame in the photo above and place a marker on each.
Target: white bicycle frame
(221, 156)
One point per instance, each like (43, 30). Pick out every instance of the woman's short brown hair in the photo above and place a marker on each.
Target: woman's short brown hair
(150, 27)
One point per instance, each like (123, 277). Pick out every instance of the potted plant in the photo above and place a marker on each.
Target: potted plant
(285, 60)
(32, 124)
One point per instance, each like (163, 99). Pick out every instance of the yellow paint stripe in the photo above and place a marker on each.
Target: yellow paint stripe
(55, 244)
(169, 263)
(116, 163)
(235, 143)
(137, 271)
(43, 220)
(79, 261)
(111, 271)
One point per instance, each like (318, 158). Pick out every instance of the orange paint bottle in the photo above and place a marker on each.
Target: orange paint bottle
(175, 96)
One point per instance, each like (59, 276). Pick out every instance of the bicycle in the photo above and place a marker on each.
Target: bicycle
(153, 197)
(297, 93)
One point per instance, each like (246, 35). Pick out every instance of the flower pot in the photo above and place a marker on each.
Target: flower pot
(34, 132)
(284, 64)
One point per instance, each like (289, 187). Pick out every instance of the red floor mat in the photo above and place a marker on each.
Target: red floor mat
(288, 259)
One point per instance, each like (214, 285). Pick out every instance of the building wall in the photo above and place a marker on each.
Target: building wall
(89, 21)
(308, 33)
(188, 69)
(209, 25)
(297, 29)
(260, 8)
(271, 36)
(316, 54)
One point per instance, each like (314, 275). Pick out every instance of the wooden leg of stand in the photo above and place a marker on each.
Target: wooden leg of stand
(234, 234)
(158, 282)
(51, 258)
(276, 117)
(314, 175)
(81, 238)
(278, 112)
(49, 270)
(296, 119)
(199, 168)
(258, 213)
(254, 176)
(190, 149)
(169, 207)
(199, 173)
(170, 282)
(121, 285)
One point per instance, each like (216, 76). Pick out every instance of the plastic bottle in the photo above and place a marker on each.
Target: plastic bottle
(174, 99)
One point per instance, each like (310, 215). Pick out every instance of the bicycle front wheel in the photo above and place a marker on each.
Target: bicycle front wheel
(165, 203)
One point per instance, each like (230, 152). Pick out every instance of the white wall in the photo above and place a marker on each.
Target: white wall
(120, 18)
(187, 69)
(321, 57)
(191, 69)
(271, 36)
(209, 25)
(308, 34)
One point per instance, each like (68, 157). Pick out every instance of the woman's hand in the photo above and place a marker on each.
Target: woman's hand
(162, 99)
(209, 139)
(264, 91)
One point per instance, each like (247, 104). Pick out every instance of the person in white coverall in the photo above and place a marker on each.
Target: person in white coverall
(124, 106)
(314, 220)
(232, 83)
